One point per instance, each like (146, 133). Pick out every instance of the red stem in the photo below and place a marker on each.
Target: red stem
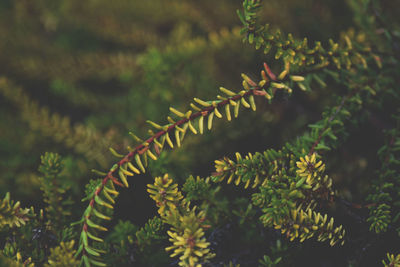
(141, 148)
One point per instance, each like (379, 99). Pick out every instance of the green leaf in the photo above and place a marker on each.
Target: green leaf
(84, 238)
(97, 263)
(93, 225)
(322, 147)
(91, 251)
(300, 182)
(85, 259)
(315, 126)
(101, 202)
(98, 239)
(80, 248)
(241, 17)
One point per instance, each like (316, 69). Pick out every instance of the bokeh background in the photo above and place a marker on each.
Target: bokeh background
(77, 76)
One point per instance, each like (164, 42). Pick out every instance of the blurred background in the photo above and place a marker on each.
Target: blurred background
(77, 76)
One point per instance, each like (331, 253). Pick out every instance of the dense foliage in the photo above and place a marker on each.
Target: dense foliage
(302, 169)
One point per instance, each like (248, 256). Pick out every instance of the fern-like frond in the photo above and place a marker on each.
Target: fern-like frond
(296, 52)
(53, 189)
(82, 139)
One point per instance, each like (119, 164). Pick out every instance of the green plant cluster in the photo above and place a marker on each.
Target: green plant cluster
(12, 215)
(392, 260)
(385, 209)
(187, 226)
(283, 201)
